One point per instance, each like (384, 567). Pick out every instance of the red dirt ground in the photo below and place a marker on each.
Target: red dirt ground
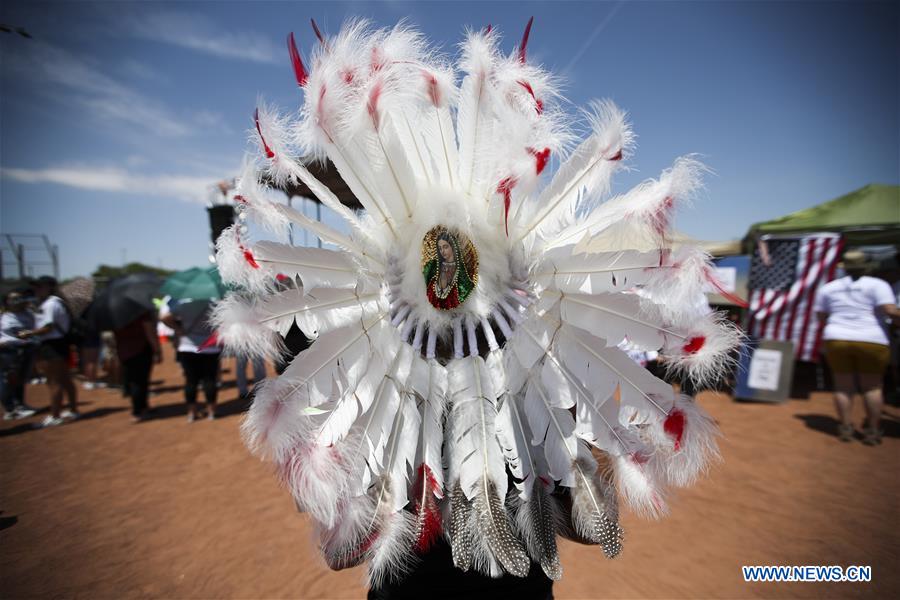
(103, 508)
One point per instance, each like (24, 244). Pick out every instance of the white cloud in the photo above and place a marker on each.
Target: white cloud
(106, 97)
(190, 188)
(132, 68)
(201, 34)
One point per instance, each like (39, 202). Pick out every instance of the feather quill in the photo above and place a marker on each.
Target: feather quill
(316, 267)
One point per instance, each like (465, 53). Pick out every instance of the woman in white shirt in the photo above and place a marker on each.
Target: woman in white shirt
(15, 355)
(856, 343)
(53, 324)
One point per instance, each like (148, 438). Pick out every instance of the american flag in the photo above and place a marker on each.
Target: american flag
(783, 286)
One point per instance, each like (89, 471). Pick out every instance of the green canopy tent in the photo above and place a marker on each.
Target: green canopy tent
(868, 216)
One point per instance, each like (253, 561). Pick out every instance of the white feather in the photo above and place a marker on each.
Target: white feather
(252, 204)
(585, 273)
(328, 199)
(475, 122)
(316, 267)
(273, 424)
(475, 453)
(553, 428)
(274, 137)
(390, 555)
(429, 381)
(717, 339)
(638, 485)
(238, 327)
(638, 219)
(318, 311)
(531, 341)
(236, 263)
(317, 477)
(309, 378)
(403, 445)
(351, 396)
(615, 317)
(370, 258)
(365, 445)
(603, 369)
(682, 462)
(584, 174)
(514, 437)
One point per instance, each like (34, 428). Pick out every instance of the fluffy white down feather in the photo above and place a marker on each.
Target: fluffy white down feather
(697, 449)
(240, 330)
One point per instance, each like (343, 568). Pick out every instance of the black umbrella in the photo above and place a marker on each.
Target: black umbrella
(124, 300)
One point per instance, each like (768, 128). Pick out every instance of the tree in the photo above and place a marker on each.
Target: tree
(109, 272)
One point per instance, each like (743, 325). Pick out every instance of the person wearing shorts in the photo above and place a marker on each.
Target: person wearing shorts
(855, 309)
(53, 324)
(198, 357)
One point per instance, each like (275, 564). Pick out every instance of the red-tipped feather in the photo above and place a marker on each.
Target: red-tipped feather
(694, 344)
(428, 514)
(505, 187)
(269, 153)
(540, 159)
(733, 298)
(372, 104)
(674, 426)
(524, 43)
(538, 104)
(317, 32)
(434, 92)
(248, 256)
(488, 29)
(299, 70)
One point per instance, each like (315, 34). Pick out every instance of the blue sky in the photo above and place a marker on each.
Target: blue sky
(117, 117)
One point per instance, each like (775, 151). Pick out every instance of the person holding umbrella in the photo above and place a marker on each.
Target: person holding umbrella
(192, 294)
(53, 324)
(138, 348)
(126, 307)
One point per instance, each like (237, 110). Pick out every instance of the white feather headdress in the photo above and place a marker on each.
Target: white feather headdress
(465, 374)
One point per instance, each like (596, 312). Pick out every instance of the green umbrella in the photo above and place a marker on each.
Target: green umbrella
(193, 285)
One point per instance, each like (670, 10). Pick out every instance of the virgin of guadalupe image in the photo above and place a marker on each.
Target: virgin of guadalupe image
(450, 274)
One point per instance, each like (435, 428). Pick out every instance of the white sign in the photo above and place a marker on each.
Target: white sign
(765, 369)
(727, 278)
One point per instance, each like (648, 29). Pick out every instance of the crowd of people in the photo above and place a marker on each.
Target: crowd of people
(36, 328)
(43, 342)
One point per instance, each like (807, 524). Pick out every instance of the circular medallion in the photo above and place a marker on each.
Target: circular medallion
(449, 266)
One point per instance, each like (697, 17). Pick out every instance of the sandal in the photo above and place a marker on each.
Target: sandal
(845, 433)
(872, 436)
